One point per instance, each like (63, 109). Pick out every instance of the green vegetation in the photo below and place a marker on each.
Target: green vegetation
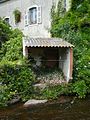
(5, 32)
(16, 77)
(74, 27)
(16, 80)
(53, 92)
(17, 15)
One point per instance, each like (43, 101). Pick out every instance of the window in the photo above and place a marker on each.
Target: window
(7, 20)
(33, 15)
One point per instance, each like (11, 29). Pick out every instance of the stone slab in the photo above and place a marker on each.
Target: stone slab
(34, 102)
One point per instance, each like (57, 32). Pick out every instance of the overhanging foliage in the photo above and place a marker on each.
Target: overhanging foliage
(75, 28)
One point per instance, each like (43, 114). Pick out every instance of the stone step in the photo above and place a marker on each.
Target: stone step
(34, 102)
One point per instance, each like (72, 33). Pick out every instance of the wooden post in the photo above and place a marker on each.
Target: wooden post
(71, 62)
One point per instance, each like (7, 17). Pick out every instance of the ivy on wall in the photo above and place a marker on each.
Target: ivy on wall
(17, 15)
(74, 27)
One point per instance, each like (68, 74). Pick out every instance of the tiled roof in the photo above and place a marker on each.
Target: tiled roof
(46, 42)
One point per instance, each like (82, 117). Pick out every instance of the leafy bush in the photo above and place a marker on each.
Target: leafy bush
(16, 77)
(12, 49)
(18, 80)
(5, 32)
(53, 92)
(80, 88)
(3, 95)
(74, 28)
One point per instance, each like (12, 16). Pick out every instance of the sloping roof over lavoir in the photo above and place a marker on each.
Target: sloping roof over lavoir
(46, 42)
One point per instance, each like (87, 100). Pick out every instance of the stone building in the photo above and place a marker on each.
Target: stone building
(33, 18)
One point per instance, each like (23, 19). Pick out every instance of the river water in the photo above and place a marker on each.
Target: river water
(79, 110)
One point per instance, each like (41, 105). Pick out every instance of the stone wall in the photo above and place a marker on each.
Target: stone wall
(34, 30)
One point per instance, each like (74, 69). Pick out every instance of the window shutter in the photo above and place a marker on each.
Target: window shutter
(26, 20)
(65, 4)
(39, 14)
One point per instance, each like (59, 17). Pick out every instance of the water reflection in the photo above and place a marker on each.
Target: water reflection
(80, 110)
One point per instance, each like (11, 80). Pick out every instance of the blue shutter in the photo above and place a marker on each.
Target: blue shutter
(65, 4)
(39, 17)
(26, 20)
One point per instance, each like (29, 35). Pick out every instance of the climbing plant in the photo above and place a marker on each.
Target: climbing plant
(17, 15)
(16, 77)
(74, 27)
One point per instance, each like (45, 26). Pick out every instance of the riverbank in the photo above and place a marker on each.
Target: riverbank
(79, 110)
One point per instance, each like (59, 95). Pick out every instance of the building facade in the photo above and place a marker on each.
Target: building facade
(35, 18)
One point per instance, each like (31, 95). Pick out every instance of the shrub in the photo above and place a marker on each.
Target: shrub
(16, 77)
(12, 49)
(5, 32)
(53, 92)
(74, 28)
(18, 80)
(3, 95)
(80, 88)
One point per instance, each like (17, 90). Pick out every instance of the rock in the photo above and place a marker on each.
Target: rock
(65, 99)
(40, 86)
(0, 83)
(34, 102)
(14, 100)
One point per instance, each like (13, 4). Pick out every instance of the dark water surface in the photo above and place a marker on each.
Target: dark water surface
(79, 110)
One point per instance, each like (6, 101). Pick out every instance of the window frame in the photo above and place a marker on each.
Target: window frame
(7, 17)
(39, 15)
(33, 15)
